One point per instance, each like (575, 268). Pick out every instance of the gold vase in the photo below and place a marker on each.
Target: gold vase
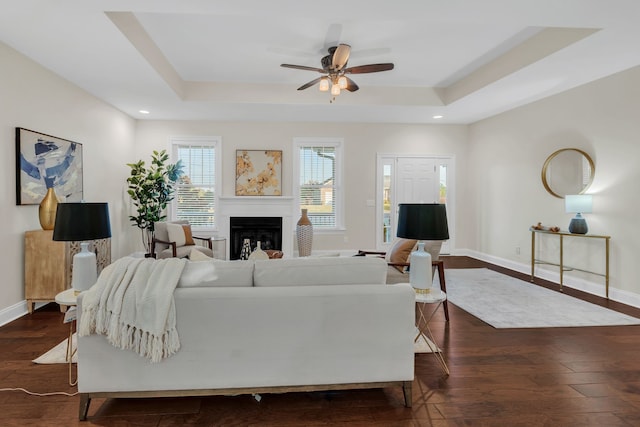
(47, 210)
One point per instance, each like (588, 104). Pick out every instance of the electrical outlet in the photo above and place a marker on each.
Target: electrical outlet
(517, 250)
(346, 239)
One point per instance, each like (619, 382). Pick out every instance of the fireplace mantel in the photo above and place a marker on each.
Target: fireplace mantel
(257, 206)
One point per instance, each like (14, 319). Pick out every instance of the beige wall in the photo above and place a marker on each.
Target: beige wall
(361, 144)
(498, 161)
(34, 98)
(506, 156)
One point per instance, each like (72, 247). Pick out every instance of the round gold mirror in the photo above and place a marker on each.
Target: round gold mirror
(567, 171)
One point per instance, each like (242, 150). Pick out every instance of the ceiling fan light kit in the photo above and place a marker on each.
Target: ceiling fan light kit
(324, 84)
(334, 68)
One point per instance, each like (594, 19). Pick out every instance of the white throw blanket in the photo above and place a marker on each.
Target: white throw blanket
(132, 304)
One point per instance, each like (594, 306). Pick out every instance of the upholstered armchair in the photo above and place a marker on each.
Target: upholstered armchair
(399, 253)
(174, 239)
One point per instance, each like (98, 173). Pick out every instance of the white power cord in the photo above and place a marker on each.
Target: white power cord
(54, 393)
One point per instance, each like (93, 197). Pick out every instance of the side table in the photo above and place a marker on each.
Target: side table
(422, 302)
(68, 301)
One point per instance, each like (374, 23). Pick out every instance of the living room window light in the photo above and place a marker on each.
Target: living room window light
(195, 199)
(318, 166)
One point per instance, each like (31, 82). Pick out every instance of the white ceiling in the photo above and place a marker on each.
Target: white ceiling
(220, 60)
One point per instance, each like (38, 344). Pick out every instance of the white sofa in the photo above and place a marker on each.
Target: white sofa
(268, 327)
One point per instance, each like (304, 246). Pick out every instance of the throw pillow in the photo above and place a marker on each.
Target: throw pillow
(400, 252)
(181, 234)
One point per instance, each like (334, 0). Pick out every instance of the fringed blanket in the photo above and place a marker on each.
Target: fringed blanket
(132, 305)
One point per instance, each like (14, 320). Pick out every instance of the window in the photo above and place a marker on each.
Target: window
(318, 167)
(195, 197)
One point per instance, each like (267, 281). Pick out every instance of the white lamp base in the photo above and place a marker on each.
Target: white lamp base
(85, 271)
(420, 272)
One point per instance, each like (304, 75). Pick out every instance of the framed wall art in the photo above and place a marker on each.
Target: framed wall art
(44, 161)
(258, 172)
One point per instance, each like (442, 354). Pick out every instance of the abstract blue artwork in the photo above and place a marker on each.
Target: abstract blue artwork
(45, 161)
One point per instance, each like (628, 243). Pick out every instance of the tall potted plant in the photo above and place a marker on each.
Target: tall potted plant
(151, 189)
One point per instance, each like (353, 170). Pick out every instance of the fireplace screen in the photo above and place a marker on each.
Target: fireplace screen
(266, 230)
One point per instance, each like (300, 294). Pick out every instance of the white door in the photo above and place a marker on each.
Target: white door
(417, 180)
(412, 179)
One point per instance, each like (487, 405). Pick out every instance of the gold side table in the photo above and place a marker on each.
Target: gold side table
(423, 301)
(68, 301)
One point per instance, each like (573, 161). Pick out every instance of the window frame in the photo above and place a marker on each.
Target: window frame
(338, 145)
(216, 143)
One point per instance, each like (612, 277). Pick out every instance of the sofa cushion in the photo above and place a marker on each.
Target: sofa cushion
(217, 273)
(320, 271)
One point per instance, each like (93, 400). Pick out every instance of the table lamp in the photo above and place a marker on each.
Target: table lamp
(82, 222)
(578, 204)
(422, 221)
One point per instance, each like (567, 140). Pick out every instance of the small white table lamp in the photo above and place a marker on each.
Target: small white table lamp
(578, 204)
(82, 222)
(422, 221)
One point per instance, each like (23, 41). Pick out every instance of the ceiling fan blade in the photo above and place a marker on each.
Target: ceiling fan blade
(371, 68)
(351, 85)
(311, 83)
(341, 56)
(303, 67)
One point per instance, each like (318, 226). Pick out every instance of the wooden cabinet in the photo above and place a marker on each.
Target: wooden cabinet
(48, 264)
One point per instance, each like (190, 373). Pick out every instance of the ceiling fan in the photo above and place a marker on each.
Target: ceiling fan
(334, 68)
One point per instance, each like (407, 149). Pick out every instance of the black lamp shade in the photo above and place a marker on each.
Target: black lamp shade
(82, 221)
(422, 221)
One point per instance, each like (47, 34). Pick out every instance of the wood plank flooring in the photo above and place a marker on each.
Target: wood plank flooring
(499, 377)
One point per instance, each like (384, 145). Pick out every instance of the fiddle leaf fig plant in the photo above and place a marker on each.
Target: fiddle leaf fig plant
(151, 189)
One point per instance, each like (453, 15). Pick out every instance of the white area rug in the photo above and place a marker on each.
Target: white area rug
(58, 354)
(507, 302)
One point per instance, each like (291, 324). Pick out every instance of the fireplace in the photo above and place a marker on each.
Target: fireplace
(283, 207)
(266, 230)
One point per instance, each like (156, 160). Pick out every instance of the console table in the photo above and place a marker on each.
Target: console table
(562, 235)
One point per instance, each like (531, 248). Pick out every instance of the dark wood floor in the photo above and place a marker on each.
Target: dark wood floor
(499, 377)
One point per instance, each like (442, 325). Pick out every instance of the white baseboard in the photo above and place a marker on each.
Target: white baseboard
(13, 312)
(594, 288)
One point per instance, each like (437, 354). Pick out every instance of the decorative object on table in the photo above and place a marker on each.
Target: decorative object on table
(578, 204)
(81, 222)
(304, 234)
(422, 221)
(258, 253)
(274, 253)
(43, 162)
(151, 189)
(246, 249)
(541, 227)
(47, 210)
(258, 172)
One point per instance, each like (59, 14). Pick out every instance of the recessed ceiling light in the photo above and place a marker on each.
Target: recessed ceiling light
(437, 116)
(144, 112)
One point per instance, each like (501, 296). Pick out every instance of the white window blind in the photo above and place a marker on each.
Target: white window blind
(319, 187)
(195, 191)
